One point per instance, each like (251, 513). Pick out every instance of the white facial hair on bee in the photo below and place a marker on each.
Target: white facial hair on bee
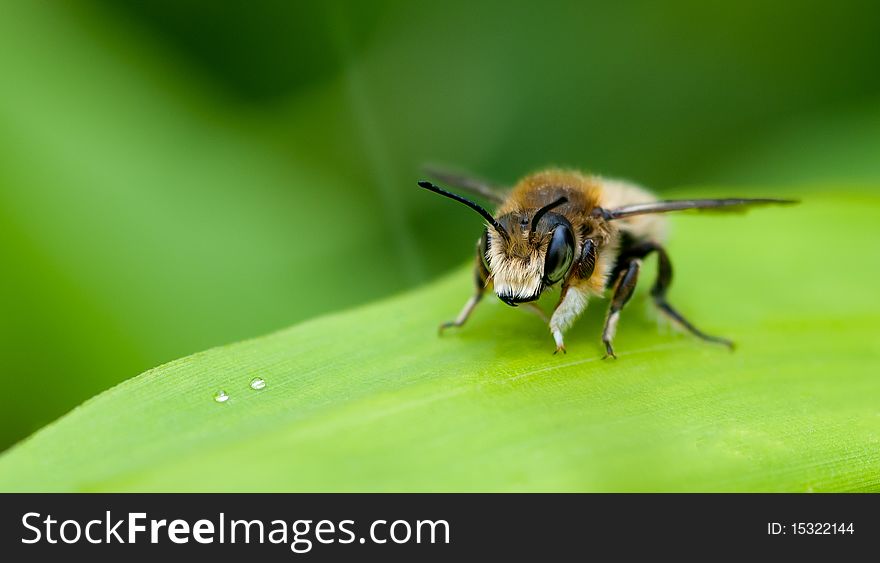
(588, 234)
(513, 275)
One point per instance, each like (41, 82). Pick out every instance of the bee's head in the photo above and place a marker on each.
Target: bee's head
(533, 249)
(524, 251)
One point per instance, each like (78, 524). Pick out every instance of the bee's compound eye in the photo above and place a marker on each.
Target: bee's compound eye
(560, 254)
(484, 249)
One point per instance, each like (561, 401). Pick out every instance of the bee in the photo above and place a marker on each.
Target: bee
(585, 233)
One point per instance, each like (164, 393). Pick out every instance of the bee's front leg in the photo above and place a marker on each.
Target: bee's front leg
(537, 311)
(572, 303)
(481, 280)
(465, 312)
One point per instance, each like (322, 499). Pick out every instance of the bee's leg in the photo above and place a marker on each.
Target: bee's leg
(658, 293)
(571, 304)
(623, 290)
(481, 276)
(538, 311)
(465, 312)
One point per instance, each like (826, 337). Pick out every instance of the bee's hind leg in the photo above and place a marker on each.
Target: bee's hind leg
(658, 293)
(623, 290)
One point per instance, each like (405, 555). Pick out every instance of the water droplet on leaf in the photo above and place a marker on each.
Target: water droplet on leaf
(221, 396)
(258, 383)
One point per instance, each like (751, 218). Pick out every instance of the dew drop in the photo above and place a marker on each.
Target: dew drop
(221, 396)
(258, 383)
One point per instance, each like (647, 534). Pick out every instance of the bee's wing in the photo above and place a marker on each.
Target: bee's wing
(736, 205)
(476, 186)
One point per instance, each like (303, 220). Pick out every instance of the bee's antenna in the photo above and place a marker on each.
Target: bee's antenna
(541, 212)
(485, 214)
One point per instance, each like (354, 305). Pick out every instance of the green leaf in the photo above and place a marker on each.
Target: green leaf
(372, 399)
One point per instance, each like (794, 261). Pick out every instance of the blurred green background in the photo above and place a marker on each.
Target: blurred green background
(176, 175)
